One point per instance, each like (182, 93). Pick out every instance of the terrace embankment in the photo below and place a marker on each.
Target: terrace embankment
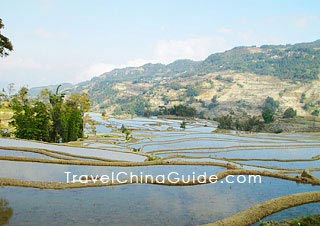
(261, 210)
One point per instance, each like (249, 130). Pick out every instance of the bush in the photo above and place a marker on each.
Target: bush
(183, 124)
(214, 103)
(4, 133)
(179, 110)
(225, 122)
(192, 91)
(271, 104)
(316, 112)
(249, 124)
(289, 113)
(268, 115)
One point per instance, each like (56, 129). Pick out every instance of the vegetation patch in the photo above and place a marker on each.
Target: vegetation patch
(255, 213)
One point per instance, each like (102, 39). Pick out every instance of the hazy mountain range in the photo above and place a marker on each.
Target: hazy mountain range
(238, 79)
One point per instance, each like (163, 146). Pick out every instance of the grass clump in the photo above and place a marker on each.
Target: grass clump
(153, 157)
(312, 220)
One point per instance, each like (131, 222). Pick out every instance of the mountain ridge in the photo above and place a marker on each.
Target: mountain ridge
(154, 85)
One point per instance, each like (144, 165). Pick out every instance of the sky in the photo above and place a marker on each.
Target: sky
(59, 41)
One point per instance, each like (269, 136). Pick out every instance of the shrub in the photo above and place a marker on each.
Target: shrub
(268, 115)
(183, 124)
(192, 91)
(271, 104)
(316, 112)
(289, 113)
(225, 122)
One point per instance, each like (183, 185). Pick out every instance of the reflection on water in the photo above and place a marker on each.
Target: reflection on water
(5, 212)
(56, 172)
(22, 153)
(73, 150)
(141, 204)
(294, 212)
(288, 165)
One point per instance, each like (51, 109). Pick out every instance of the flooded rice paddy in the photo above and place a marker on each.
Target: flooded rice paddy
(157, 146)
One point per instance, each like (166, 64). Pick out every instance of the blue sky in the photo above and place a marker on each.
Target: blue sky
(71, 41)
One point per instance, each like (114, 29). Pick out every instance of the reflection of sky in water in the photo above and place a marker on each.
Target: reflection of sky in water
(191, 143)
(23, 153)
(55, 172)
(316, 173)
(294, 212)
(257, 153)
(72, 150)
(288, 165)
(144, 204)
(153, 124)
(153, 204)
(288, 153)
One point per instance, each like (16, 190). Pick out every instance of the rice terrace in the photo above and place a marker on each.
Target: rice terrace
(222, 129)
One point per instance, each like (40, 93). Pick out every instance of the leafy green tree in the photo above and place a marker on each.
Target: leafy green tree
(56, 101)
(42, 121)
(268, 115)
(49, 120)
(181, 110)
(5, 44)
(289, 113)
(271, 104)
(31, 120)
(71, 121)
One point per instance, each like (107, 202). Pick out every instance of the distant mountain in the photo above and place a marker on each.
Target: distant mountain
(36, 90)
(281, 71)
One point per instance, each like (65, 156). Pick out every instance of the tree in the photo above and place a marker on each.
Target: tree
(289, 113)
(56, 101)
(31, 120)
(5, 44)
(49, 117)
(182, 110)
(213, 103)
(268, 115)
(225, 122)
(271, 104)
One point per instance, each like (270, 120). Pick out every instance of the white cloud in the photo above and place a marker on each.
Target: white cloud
(94, 70)
(97, 69)
(164, 51)
(23, 71)
(138, 62)
(198, 48)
